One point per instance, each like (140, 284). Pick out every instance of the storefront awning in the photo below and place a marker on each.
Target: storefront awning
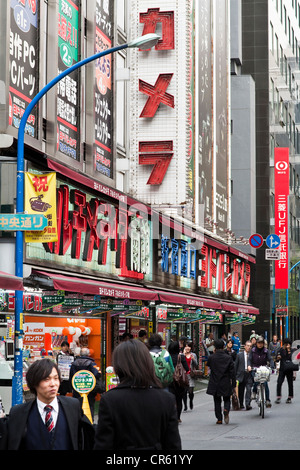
(10, 282)
(192, 301)
(239, 308)
(92, 287)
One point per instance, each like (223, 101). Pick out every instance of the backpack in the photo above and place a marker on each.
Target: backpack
(164, 370)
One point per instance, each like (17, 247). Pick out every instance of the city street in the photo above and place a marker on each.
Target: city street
(279, 430)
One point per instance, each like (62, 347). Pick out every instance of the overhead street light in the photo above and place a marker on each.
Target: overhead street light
(144, 42)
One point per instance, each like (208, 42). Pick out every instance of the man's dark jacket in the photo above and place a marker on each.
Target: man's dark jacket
(222, 374)
(13, 428)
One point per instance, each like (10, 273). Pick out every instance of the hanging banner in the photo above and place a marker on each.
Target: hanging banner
(40, 198)
(282, 176)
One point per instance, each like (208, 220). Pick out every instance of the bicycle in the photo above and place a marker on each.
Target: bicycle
(262, 375)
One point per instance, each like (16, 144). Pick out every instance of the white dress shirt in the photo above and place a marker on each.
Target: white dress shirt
(42, 411)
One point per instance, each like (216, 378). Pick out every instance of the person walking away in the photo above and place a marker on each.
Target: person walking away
(85, 362)
(64, 359)
(284, 355)
(222, 380)
(244, 376)
(260, 356)
(162, 361)
(137, 414)
(192, 363)
(48, 422)
(236, 343)
(174, 388)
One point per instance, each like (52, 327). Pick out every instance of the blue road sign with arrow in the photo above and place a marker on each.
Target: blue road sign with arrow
(273, 241)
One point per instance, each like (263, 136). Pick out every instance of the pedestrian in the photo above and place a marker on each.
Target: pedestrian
(142, 336)
(137, 414)
(274, 347)
(174, 388)
(222, 380)
(85, 362)
(244, 376)
(162, 361)
(209, 342)
(64, 359)
(260, 356)
(284, 355)
(192, 363)
(48, 422)
(229, 349)
(236, 343)
(253, 339)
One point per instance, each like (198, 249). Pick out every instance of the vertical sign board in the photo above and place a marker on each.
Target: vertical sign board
(281, 170)
(68, 132)
(205, 92)
(103, 110)
(24, 62)
(221, 121)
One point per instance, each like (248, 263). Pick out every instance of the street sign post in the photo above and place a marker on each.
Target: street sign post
(23, 222)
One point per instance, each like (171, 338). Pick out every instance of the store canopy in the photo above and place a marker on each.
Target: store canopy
(93, 287)
(239, 308)
(10, 282)
(192, 301)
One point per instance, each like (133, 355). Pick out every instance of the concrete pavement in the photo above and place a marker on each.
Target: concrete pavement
(279, 430)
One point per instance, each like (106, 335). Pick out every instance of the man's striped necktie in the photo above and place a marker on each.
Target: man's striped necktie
(49, 419)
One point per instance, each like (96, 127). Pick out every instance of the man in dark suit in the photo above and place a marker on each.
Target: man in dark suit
(49, 422)
(243, 376)
(222, 380)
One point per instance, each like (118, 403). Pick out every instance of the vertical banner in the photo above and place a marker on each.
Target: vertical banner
(205, 107)
(68, 141)
(40, 198)
(103, 152)
(282, 176)
(221, 121)
(24, 62)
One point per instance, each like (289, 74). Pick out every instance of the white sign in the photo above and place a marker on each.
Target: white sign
(272, 255)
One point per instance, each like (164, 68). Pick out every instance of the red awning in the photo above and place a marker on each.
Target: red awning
(10, 282)
(240, 308)
(192, 301)
(92, 287)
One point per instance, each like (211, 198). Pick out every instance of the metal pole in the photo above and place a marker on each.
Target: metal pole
(17, 384)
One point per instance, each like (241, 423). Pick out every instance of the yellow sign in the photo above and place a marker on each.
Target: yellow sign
(40, 198)
(84, 382)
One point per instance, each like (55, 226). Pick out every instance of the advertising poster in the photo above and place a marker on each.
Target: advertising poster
(68, 95)
(40, 198)
(205, 108)
(282, 176)
(103, 157)
(24, 62)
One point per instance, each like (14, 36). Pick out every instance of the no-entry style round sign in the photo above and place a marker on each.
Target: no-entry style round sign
(256, 240)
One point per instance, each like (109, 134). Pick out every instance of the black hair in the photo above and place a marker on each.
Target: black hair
(64, 343)
(155, 340)
(142, 333)
(174, 347)
(219, 344)
(39, 371)
(133, 364)
(287, 341)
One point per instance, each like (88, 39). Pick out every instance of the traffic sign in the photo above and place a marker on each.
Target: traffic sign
(23, 222)
(256, 240)
(272, 254)
(273, 241)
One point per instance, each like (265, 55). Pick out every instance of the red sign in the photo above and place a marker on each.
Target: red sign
(282, 176)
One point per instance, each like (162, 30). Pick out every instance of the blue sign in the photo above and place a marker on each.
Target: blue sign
(273, 241)
(23, 222)
(256, 240)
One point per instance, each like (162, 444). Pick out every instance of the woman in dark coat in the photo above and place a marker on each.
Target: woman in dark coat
(138, 413)
(222, 380)
(179, 392)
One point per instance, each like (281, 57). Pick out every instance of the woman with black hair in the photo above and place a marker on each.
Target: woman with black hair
(284, 355)
(137, 414)
(179, 392)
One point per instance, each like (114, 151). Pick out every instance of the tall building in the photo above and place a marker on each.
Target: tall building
(269, 66)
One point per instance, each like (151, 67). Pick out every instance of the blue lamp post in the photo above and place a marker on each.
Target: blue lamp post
(144, 42)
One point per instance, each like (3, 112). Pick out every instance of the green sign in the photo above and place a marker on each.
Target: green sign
(23, 222)
(83, 381)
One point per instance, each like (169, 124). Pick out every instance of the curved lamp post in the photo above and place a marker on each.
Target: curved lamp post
(144, 42)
